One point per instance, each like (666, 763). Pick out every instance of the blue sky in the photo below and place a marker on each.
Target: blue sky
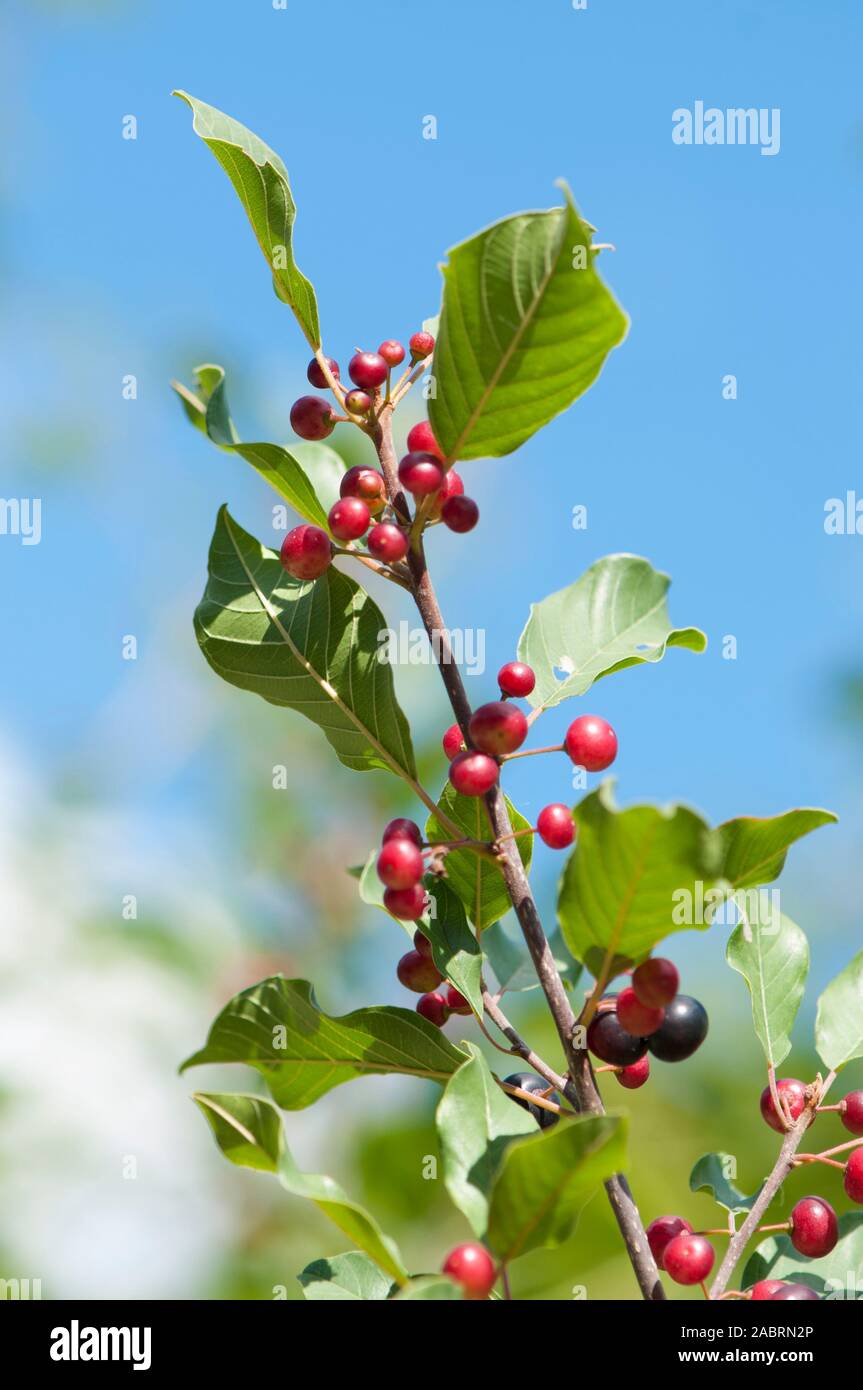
(134, 256)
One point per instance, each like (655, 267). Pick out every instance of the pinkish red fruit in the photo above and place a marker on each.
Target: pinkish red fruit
(433, 1007)
(635, 1075)
(418, 973)
(453, 741)
(591, 743)
(656, 982)
(854, 1176)
(688, 1259)
(367, 370)
(367, 484)
(456, 1002)
(662, 1231)
(555, 826)
(349, 519)
(851, 1113)
(400, 864)
(635, 1017)
(387, 543)
(516, 679)
(473, 774)
(315, 373)
(793, 1091)
(497, 728)
(306, 552)
(358, 402)
(421, 438)
(402, 829)
(460, 514)
(471, 1265)
(421, 345)
(420, 474)
(408, 904)
(814, 1228)
(392, 352)
(312, 417)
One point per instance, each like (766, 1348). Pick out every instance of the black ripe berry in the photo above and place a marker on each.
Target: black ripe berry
(529, 1081)
(682, 1031)
(609, 1040)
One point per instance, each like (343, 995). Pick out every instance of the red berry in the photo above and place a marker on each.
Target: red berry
(456, 1002)
(814, 1229)
(851, 1113)
(421, 438)
(408, 904)
(358, 402)
(473, 774)
(854, 1176)
(418, 973)
(312, 417)
(452, 486)
(367, 369)
(515, 678)
(460, 514)
(387, 542)
(433, 1007)
(306, 552)
(656, 981)
(349, 519)
(661, 1231)
(688, 1259)
(766, 1288)
(453, 741)
(368, 485)
(421, 344)
(316, 375)
(402, 829)
(421, 474)
(635, 1017)
(392, 352)
(555, 826)
(794, 1293)
(794, 1092)
(497, 728)
(634, 1076)
(471, 1265)
(591, 743)
(422, 944)
(400, 864)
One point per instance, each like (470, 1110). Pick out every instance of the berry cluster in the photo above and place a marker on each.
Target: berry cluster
(648, 1015)
(813, 1229)
(307, 550)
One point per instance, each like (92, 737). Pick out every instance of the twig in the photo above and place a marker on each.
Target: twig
(580, 1090)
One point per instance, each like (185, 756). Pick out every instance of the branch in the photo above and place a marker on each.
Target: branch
(580, 1090)
(781, 1169)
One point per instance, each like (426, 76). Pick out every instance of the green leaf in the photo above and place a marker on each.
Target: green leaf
(774, 963)
(431, 1288)
(838, 1275)
(478, 882)
(208, 409)
(710, 1174)
(261, 182)
(544, 1181)
(754, 850)
(628, 870)
(312, 647)
(249, 1132)
(277, 1028)
(476, 1121)
(455, 950)
(839, 1022)
(522, 332)
(614, 616)
(351, 1277)
(513, 968)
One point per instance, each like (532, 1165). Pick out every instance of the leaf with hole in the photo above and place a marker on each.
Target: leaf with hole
(476, 1122)
(312, 647)
(839, 1022)
(261, 183)
(774, 962)
(249, 1132)
(614, 616)
(526, 325)
(277, 1028)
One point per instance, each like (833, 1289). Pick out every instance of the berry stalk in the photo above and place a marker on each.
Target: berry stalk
(580, 1089)
(783, 1166)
